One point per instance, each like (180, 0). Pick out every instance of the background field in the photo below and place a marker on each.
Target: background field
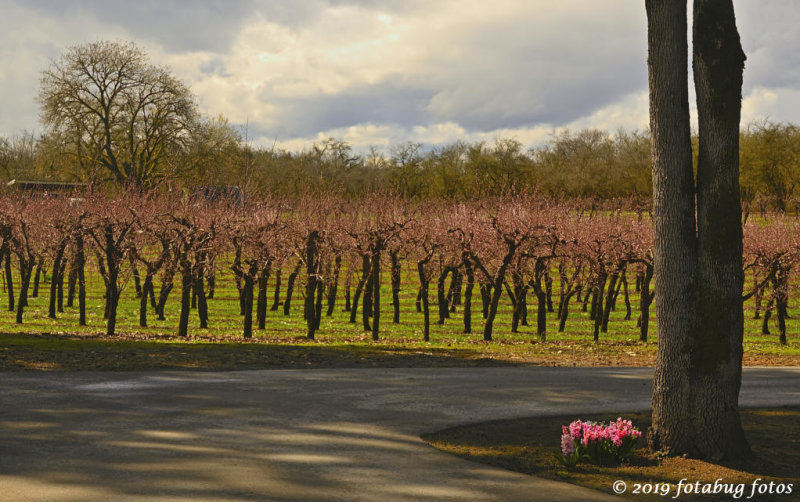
(44, 343)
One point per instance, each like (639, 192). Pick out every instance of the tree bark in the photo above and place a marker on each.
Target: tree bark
(675, 242)
(698, 283)
(718, 70)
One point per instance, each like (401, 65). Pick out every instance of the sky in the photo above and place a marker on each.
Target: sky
(288, 73)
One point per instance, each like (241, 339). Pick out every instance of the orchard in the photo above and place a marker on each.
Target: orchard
(534, 263)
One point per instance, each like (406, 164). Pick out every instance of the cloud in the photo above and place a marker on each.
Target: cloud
(630, 113)
(779, 104)
(452, 62)
(175, 24)
(384, 72)
(28, 43)
(770, 39)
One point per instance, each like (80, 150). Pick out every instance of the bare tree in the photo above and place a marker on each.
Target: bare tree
(114, 110)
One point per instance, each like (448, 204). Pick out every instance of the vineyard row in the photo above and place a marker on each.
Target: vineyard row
(520, 247)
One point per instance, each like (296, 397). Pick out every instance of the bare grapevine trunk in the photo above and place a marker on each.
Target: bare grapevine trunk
(441, 296)
(334, 285)
(277, 296)
(200, 294)
(395, 287)
(35, 293)
(51, 312)
(287, 304)
(147, 286)
(424, 280)
(470, 273)
(186, 300)
(313, 271)
(261, 307)
(376, 292)
(359, 287)
(80, 265)
(26, 272)
(247, 292)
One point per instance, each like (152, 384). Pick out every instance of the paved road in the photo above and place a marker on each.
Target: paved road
(291, 435)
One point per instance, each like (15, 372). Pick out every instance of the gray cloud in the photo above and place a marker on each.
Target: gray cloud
(177, 25)
(385, 103)
(544, 64)
(770, 39)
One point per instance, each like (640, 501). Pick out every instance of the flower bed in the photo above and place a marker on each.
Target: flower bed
(602, 444)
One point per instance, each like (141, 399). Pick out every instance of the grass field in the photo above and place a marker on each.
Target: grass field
(62, 344)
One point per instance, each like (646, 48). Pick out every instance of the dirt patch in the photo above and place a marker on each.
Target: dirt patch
(530, 446)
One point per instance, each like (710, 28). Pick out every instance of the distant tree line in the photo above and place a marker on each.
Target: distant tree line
(583, 164)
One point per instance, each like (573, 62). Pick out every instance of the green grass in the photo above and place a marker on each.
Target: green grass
(620, 346)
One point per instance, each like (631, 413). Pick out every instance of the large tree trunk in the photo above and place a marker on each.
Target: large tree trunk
(698, 284)
(718, 66)
(675, 242)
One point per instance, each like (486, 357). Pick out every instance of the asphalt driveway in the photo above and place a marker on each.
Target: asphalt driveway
(291, 435)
